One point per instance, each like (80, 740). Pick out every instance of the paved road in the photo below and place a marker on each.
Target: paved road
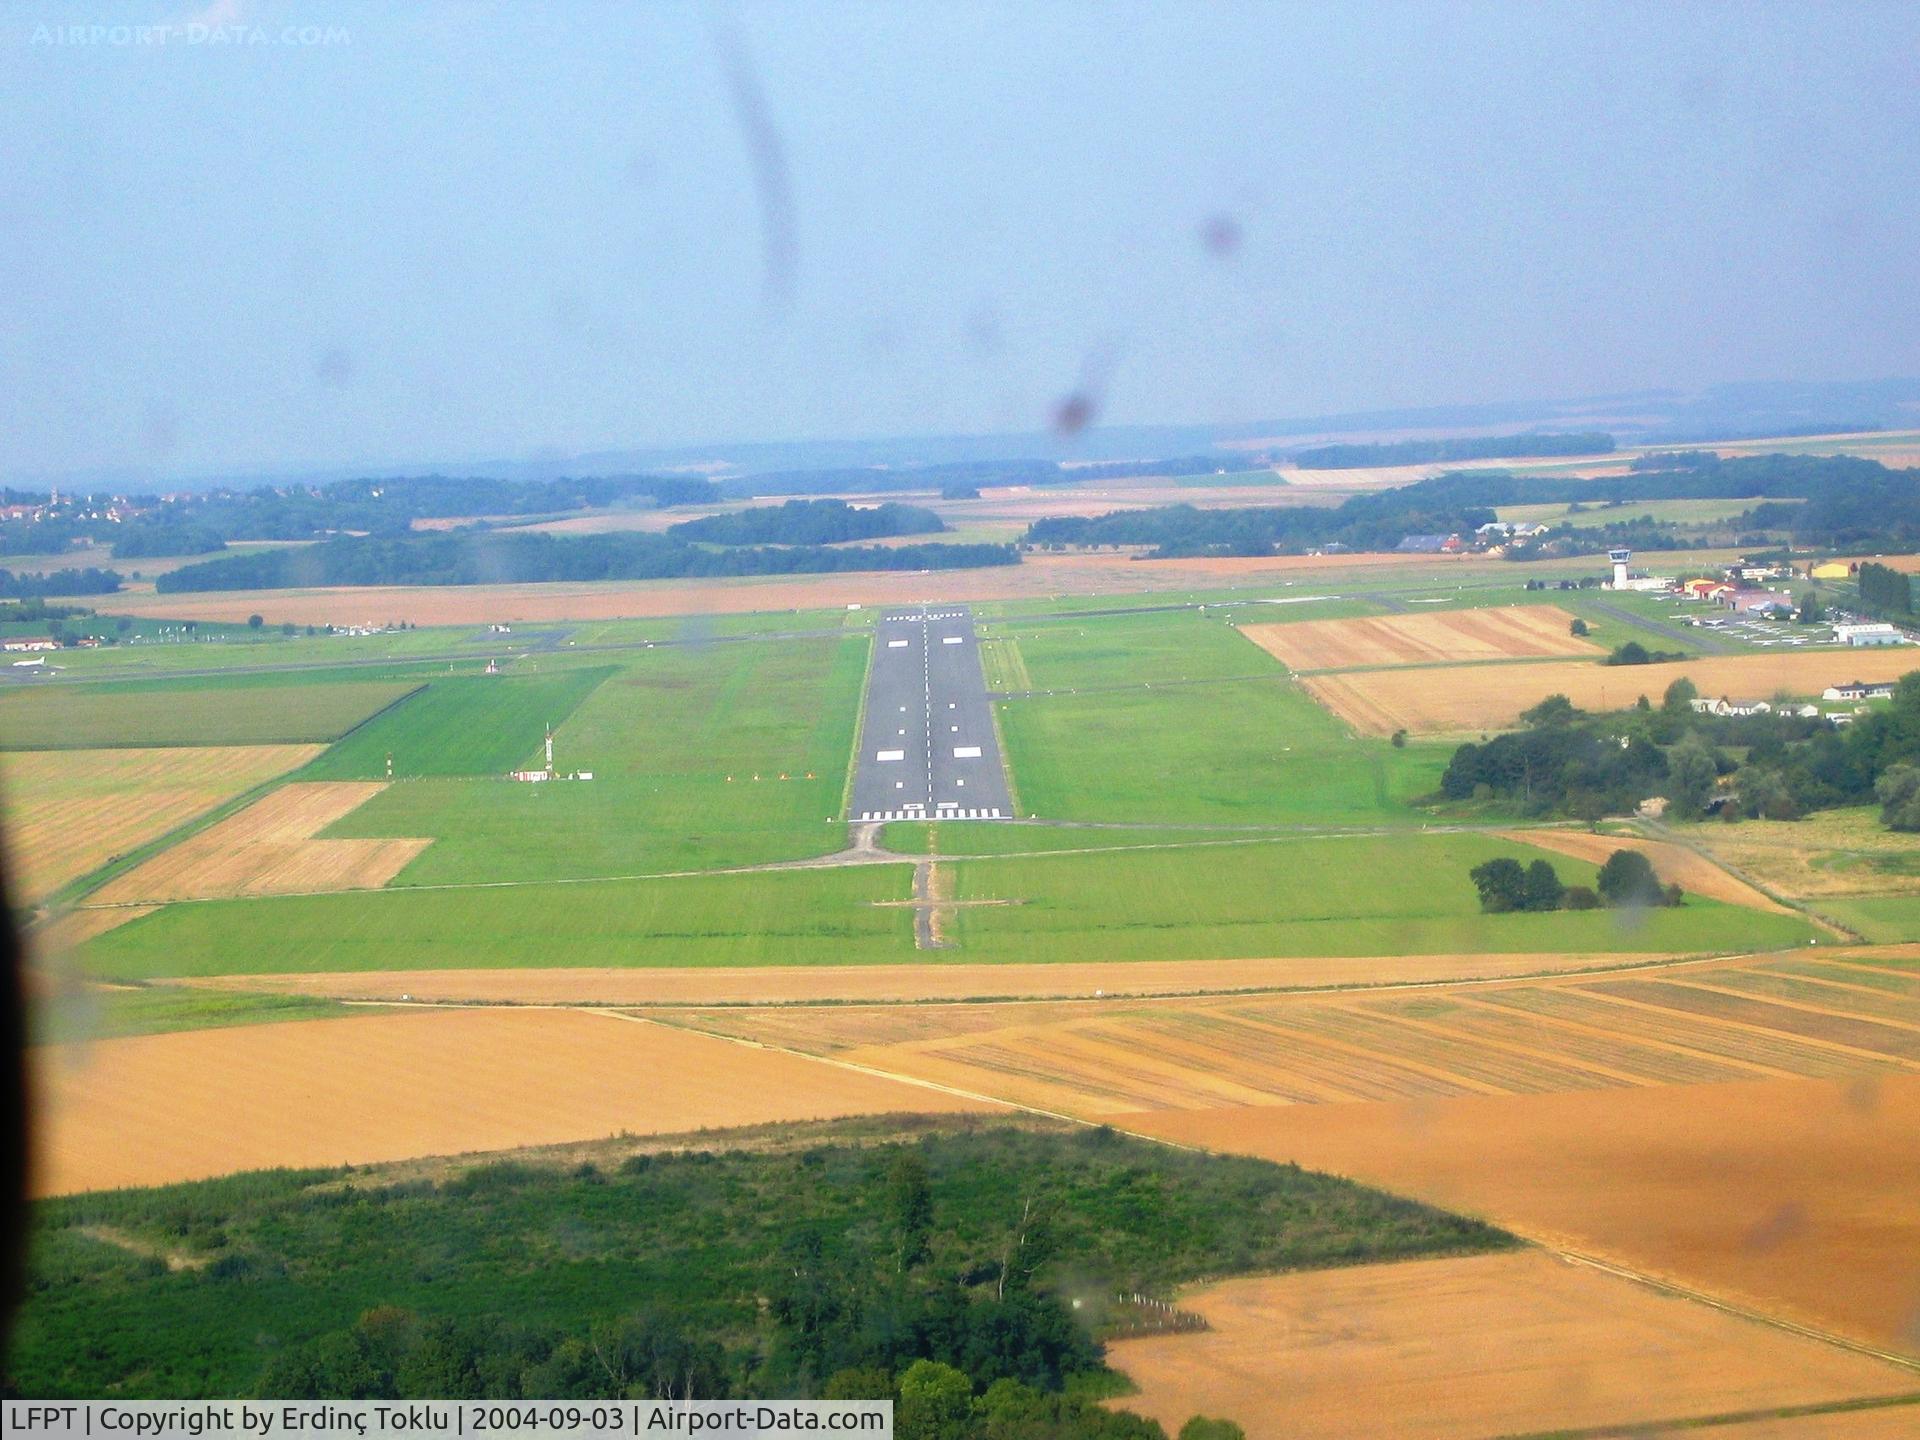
(927, 749)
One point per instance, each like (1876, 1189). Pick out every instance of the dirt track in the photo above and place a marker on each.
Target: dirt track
(160, 1108)
(775, 984)
(1463, 1349)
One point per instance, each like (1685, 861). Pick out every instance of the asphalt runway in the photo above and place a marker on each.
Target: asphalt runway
(927, 748)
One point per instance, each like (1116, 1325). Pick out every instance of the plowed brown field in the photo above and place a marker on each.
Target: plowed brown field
(1691, 1024)
(1471, 698)
(71, 811)
(268, 849)
(1674, 864)
(776, 984)
(1520, 631)
(160, 1108)
(1798, 1198)
(1463, 1349)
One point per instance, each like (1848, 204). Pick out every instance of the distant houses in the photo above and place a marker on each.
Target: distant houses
(1724, 706)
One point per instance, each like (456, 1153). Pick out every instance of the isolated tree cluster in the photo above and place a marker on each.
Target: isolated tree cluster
(1626, 881)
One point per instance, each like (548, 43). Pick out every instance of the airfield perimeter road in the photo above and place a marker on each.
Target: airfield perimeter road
(927, 747)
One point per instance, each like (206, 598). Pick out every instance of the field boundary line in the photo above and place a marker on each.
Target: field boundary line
(859, 726)
(1686, 1425)
(1660, 831)
(1503, 660)
(1807, 1007)
(1735, 1308)
(1596, 1069)
(1845, 987)
(1760, 1069)
(367, 720)
(872, 1071)
(1627, 966)
(1866, 962)
(1747, 1027)
(69, 896)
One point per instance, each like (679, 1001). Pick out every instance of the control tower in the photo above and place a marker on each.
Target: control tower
(1620, 557)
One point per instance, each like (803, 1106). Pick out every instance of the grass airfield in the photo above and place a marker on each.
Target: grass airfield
(1316, 978)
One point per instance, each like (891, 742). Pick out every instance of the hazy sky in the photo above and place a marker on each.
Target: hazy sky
(457, 230)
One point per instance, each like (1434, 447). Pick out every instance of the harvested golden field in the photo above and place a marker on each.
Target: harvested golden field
(159, 1108)
(1463, 1349)
(788, 984)
(72, 811)
(1706, 1023)
(1473, 698)
(1037, 576)
(269, 849)
(1797, 1198)
(1674, 864)
(1516, 632)
(1830, 853)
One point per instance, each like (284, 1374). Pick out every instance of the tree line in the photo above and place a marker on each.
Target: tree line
(1837, 501)
(204, 523)
(519, 557)
(809, 522)
(1775, 765)
(1430, 452)
(976, 1265)
(1885, 591)
(88, 581)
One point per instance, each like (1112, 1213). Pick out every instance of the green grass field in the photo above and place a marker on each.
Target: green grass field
(186, 713)
(1152, 719)
(1354, 895)
(1880, 919)
(1249, 752)
(1181, 645)
(460, 725)
(662, 735)
(784, 918)
(1359, 895)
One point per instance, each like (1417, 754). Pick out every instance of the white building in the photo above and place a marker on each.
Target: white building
(1878, 633)
(1858, 690)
